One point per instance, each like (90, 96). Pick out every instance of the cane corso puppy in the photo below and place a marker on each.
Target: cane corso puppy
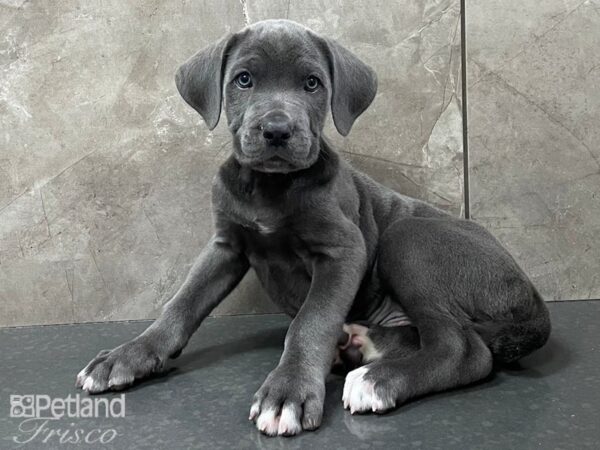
(430, 300)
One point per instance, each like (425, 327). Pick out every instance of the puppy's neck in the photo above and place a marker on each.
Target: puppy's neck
(244, 181)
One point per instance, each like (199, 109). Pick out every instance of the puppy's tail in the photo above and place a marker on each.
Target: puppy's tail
(510, 341)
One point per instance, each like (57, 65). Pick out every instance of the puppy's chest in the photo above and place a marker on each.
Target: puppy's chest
(271, 238)
(282, 263)
(271, 231)
(266, 223)
(255, 213)
(254, 219)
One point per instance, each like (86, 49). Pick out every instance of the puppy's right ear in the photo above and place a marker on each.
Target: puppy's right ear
(200, 80)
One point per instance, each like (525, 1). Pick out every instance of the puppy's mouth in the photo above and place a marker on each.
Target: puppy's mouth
(285, 158)
(275, 164)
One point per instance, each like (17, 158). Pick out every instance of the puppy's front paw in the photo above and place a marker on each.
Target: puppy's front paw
(360, 393)
(118, 368)
(288, 402)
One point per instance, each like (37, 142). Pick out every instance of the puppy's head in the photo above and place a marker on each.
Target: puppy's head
(278, 80)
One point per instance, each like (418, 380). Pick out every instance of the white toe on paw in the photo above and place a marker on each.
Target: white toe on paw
(348, 385)
(268, 422)
(88, 384)
(81, 377)
(254, 410)
(289, 424)
(359, 394)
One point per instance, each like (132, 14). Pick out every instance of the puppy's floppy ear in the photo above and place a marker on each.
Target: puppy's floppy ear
(354, 85)
(200, 80)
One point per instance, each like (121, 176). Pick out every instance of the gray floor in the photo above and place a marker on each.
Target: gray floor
(552, 402)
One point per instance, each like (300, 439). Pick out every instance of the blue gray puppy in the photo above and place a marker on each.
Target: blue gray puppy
(330, 246)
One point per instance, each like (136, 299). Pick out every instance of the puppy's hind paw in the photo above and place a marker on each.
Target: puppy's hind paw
(360, 394)
(358, 348)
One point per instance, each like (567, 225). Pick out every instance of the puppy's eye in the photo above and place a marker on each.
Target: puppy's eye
(311, 84)
(243, 80)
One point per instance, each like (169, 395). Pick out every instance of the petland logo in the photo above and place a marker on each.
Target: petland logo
(41, 413)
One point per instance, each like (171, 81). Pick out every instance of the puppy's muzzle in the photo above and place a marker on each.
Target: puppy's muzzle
(277, 128)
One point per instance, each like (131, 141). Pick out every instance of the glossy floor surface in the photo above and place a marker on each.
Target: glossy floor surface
(553, 401)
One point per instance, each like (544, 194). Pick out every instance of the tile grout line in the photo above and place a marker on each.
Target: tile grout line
(465, 129)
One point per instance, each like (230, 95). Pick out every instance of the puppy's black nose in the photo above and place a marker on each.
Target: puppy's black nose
(276, 130)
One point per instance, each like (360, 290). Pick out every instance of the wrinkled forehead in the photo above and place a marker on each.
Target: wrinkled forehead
(278, 48)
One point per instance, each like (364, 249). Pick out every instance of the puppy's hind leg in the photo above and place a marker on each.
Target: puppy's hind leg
(449, 357)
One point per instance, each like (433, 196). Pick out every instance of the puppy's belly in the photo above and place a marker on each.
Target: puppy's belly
(388, 314)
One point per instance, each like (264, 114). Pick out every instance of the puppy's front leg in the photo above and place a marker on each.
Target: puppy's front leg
(218, 269)
(292, 396)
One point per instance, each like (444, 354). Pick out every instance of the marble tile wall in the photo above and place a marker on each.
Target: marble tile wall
(105, 171)
(534, 136)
